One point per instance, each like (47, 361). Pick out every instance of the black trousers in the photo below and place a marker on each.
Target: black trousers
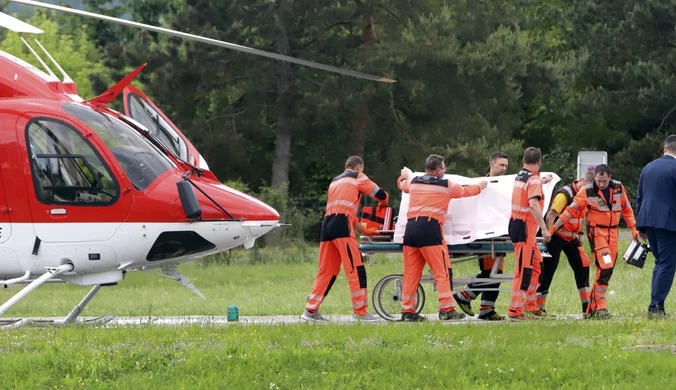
(550, 264)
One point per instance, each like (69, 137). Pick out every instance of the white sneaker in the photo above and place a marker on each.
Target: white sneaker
(313, 317)
(368, 317)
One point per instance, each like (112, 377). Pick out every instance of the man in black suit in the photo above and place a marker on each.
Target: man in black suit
(656, 210)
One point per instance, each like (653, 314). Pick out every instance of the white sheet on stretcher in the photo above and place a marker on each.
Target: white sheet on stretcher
(483, 216)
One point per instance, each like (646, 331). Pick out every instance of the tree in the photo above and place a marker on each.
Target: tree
(70, 46)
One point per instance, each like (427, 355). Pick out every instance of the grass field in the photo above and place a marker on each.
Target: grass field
(627, 351)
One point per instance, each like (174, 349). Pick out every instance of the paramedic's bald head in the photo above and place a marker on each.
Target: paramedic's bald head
(532, 156)
(354, 163)
(670, 145)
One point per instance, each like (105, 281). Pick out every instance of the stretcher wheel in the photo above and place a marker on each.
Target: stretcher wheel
(386, 297)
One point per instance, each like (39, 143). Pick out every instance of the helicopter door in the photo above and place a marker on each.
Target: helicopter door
(75, 197)
(140, 108)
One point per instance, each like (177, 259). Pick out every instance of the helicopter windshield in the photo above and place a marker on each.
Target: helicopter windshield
(141, 111)
(141, 161)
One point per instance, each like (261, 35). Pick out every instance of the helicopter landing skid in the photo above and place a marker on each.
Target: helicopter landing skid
(51, 272)
(19, 322)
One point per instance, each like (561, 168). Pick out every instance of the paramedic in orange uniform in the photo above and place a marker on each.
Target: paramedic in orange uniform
(527, 203)
(569, 240)
(338, 243)
(604, 200)
(498, 163)
(424, 237)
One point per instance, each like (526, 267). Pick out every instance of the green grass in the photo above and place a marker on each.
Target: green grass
(627, 351)
(546, 354)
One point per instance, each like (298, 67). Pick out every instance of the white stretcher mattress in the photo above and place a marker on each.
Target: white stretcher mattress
(479, 217)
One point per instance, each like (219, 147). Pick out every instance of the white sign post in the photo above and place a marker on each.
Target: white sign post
(587, 161)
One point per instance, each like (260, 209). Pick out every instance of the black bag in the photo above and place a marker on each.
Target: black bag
(636, 254)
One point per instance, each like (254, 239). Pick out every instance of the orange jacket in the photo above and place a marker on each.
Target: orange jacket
(345, 194)
(591, 199)
(429, 196)
(527, 185)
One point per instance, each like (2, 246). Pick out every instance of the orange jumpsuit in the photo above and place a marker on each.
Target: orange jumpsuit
(338, 242)
(424, 237)
(522, 231)
(603, 217)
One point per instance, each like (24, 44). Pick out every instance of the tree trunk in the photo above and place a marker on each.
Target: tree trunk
(361, 114)
(280, 167)
(282, 161)
(361, 117)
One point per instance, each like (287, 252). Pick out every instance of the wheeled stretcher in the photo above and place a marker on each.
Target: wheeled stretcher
(386, 295)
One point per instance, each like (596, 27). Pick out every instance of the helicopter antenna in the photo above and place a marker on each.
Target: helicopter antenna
(51, 74)
(66, 78)
(209, 41)
(13, 24)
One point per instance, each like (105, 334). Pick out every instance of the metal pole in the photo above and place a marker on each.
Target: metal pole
(80, 306)
(33, 285)
(15, 280)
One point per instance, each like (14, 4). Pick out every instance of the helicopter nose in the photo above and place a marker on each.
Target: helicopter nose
(261, 212)
(262, 217)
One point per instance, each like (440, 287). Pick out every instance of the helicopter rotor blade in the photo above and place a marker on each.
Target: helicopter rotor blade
(210, 41)
(13, 24)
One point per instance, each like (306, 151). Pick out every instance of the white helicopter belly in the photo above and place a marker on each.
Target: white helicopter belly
(127, 249)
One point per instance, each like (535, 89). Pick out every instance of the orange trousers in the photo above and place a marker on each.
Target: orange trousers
(436, 256)
(331, 254)
(603, 243)
(526, 274)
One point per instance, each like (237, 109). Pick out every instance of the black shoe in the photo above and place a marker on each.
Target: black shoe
(412, 317)
(450, 315)
(601, 314)
(464, 304)
(657, 315)
(491, 316)
(536, 313)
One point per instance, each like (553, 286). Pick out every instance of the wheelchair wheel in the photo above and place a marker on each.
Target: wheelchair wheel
(387, 297)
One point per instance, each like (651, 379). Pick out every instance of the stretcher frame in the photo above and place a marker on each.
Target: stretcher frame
(386, 295)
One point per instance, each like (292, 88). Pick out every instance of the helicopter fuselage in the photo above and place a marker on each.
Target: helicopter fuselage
(86, 185)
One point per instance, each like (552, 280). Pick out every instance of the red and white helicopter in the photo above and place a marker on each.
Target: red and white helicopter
(88, 193)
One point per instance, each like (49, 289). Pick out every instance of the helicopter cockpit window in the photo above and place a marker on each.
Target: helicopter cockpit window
(66, 168)
(144, 113)
(141, 161)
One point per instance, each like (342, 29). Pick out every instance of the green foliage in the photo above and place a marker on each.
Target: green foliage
(70, 46)
(238, 184)
(630, 162)
(471, 158)
(301, 218)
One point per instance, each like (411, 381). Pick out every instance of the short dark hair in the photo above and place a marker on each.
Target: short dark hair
(670, 143)
(433, 162)
(496, 156)
(532, 156)
(602, 169)
(353, 161)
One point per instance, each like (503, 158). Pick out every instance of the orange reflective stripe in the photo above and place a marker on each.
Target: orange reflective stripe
(345, 193)
(520, 184)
